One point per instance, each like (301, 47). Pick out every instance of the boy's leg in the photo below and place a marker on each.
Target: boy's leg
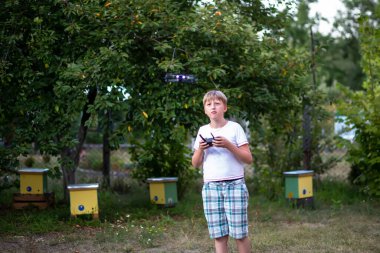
(236, 209)
(221, 245)
(243, 245)
(236, 206)
(212, 195)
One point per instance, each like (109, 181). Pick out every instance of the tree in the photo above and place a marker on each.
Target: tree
(43, 57)
(76, 60)
(341, 51)
(362, 109)
(26, 72)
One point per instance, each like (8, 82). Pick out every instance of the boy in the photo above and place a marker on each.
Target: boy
(221, 147)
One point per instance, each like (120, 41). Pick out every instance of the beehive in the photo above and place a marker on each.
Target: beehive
(298, 184)
(33, 181)
(163, 190)
(84, 199)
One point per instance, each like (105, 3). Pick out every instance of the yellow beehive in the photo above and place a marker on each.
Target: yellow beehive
(163, 190)
(299, 188)
(298, 184)
(84, 199)
(33, 181)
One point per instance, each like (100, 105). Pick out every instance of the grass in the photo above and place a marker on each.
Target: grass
(343, 221)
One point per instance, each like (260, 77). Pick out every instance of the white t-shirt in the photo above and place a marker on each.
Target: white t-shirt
(219, 163)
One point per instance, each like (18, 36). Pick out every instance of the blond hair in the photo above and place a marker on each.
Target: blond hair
(215, 94)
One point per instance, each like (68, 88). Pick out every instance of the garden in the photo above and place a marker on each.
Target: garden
(107, 95)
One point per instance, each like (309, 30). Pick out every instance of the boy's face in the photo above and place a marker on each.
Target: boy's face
(215, 108)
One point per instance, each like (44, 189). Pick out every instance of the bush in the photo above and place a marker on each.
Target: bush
(362, 111)
(46, 158)
(120, 185)
(92, 159)
(29, 161)
(164, 157)
(268, 182)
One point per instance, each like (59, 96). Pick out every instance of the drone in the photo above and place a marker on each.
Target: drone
(179, 78)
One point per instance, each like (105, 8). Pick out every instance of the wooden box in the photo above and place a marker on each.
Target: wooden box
(41, 201)
(163, 190)
(84, 199)
(298, 184)
(33, 181)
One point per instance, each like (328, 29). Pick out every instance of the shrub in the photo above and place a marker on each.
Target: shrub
(362, 111)
(164, 157)
(46, 158)
(92, 160)
(29, 161)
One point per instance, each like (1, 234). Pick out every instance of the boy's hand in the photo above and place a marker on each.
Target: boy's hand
(203, 145)
(242, 153)
(221, 142)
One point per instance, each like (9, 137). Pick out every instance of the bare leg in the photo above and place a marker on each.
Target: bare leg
(221, 244)
(243, 245)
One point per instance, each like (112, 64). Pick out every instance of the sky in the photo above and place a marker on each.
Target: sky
(327, 9)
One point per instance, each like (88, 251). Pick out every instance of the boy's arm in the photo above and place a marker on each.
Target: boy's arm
(243, 153)
(197, 159)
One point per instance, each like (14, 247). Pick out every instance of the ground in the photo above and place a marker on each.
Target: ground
(274, 228)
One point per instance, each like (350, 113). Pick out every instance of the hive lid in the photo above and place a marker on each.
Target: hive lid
(33, 170)
(162, 179)
(298, 172)
(82, 186)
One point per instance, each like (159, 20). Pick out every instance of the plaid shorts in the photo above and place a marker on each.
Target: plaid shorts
(225, 205)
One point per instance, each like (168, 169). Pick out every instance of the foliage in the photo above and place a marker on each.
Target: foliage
(91, 159)
(8, 165)
(279, 135)
(164, 156)
(33, 53)
(278, 148)
(340, 50)
(67, 65)
(29, 161)
(362, 109)
(220, 46)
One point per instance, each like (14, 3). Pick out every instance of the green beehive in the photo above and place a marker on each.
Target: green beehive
(299, 186)
(163, 190)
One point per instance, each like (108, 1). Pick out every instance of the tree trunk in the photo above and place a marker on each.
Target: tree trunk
(68, 171)
(307, 138)
(308, 111)
(82, 132)
(71, 156)
(106, 153)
